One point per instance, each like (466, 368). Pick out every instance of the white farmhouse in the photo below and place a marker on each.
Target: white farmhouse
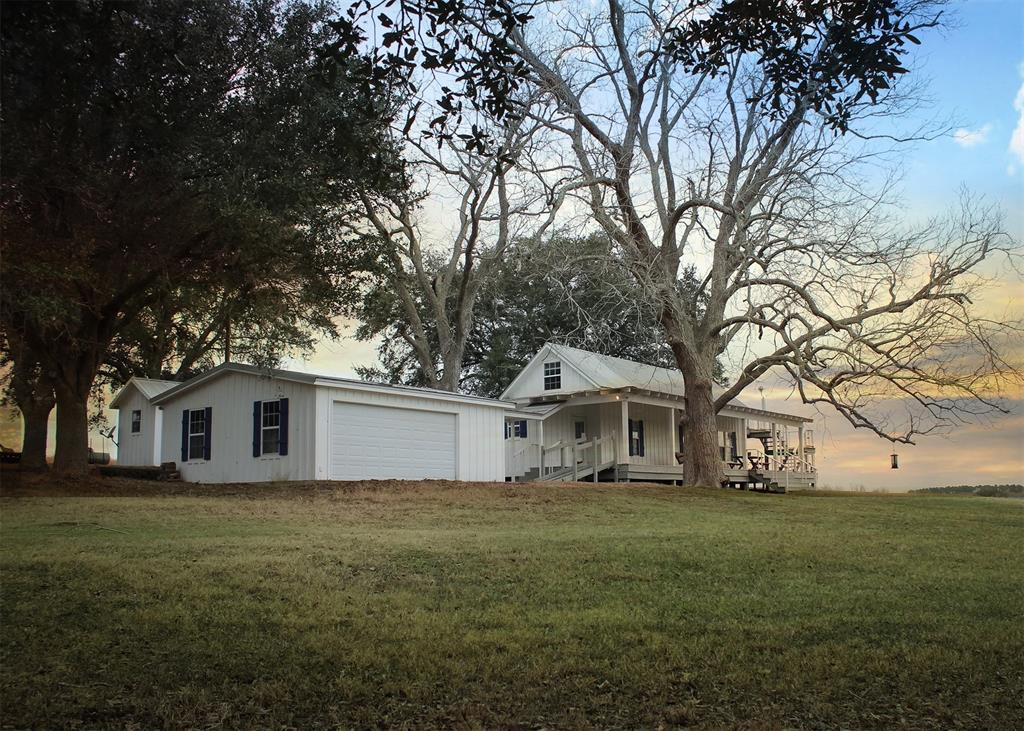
(583, 415)
(570, 414)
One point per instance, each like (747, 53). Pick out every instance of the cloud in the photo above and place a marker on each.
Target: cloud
(968, 138)
(1017, 138)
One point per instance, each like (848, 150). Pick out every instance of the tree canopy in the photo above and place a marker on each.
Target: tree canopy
(158, 145)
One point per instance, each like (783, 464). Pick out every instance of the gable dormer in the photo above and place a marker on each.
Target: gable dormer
(549, 373)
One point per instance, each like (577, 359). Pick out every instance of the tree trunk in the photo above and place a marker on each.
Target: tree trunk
(36, 418)
(33, 393)
(702, 462)
(72, 453)
(451, 376)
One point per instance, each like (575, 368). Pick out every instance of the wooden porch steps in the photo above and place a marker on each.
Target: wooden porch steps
(583, 471)
(168, 471)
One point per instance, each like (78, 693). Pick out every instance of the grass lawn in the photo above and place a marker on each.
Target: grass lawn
(443, 605)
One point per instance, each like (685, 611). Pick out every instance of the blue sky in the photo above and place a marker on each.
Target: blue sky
(974, 74)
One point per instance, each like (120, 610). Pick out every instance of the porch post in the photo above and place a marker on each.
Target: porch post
(800, 446)
(540, 441)
(615, 454)
(624, 430)
(673, 438)
(741, 439)
(775, 447)
(673, 432)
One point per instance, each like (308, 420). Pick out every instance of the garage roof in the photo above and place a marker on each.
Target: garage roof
(148, 387)
(320, 380)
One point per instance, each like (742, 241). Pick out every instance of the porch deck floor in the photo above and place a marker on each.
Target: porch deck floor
(668, 473)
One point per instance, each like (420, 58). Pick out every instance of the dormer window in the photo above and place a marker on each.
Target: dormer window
(553, 375)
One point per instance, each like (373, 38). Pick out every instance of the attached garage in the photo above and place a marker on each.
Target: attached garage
(257, 425)
(385, 442)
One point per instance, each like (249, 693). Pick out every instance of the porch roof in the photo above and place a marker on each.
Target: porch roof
(535, 407)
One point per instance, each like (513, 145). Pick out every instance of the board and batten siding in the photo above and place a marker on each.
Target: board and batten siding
(479, 427)
(659, 434)
(531, 383)
(138, 449)
(231, 397)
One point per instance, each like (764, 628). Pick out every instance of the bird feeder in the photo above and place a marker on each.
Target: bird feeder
(894, 461)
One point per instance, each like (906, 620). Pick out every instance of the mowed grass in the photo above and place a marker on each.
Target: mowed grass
(493, 606)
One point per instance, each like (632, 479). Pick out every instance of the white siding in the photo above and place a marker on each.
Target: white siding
(658, 434)
(531, 383)
(231, 397)
(135, 449)
(479, 427)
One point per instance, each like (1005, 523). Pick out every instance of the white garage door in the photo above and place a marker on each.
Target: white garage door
(382, 442)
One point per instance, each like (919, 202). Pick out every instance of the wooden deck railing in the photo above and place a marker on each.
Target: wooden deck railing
(776, 463)
(575, 450)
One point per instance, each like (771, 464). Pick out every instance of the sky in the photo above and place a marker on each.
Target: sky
(975, 72)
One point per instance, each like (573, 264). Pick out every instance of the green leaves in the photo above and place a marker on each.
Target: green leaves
(825, 54)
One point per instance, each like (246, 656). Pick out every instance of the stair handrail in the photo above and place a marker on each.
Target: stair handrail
(516, 459)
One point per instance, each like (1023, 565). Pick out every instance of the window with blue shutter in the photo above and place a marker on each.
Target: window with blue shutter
(257, 425)
(270, 427)
(636, 438)
(282, 438)
(208, 433)
(184, 435)
(196, 434)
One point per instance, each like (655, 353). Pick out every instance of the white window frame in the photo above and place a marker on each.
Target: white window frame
(191, 434)
(136, 425)
(264, 428)
(553, 375)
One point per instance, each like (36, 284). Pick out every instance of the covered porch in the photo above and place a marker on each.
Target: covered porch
(629, 436)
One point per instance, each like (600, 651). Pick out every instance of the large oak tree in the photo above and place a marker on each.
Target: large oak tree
(163, 144)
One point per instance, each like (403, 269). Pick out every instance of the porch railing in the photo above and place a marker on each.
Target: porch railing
(779, 463)
(573, 457)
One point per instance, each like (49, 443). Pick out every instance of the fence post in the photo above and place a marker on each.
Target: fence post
(615, 454)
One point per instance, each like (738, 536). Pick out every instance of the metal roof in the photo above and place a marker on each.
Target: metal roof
(607, 371)
(148, 387)
(318, 380)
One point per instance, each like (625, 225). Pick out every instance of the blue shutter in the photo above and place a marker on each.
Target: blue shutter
(257, 425)
(208, 436)
(522, 428)
(282, 445)
(629, 436)
(184, 435)
(640, 428)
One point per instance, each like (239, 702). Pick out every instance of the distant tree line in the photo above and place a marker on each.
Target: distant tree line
(982, 490)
